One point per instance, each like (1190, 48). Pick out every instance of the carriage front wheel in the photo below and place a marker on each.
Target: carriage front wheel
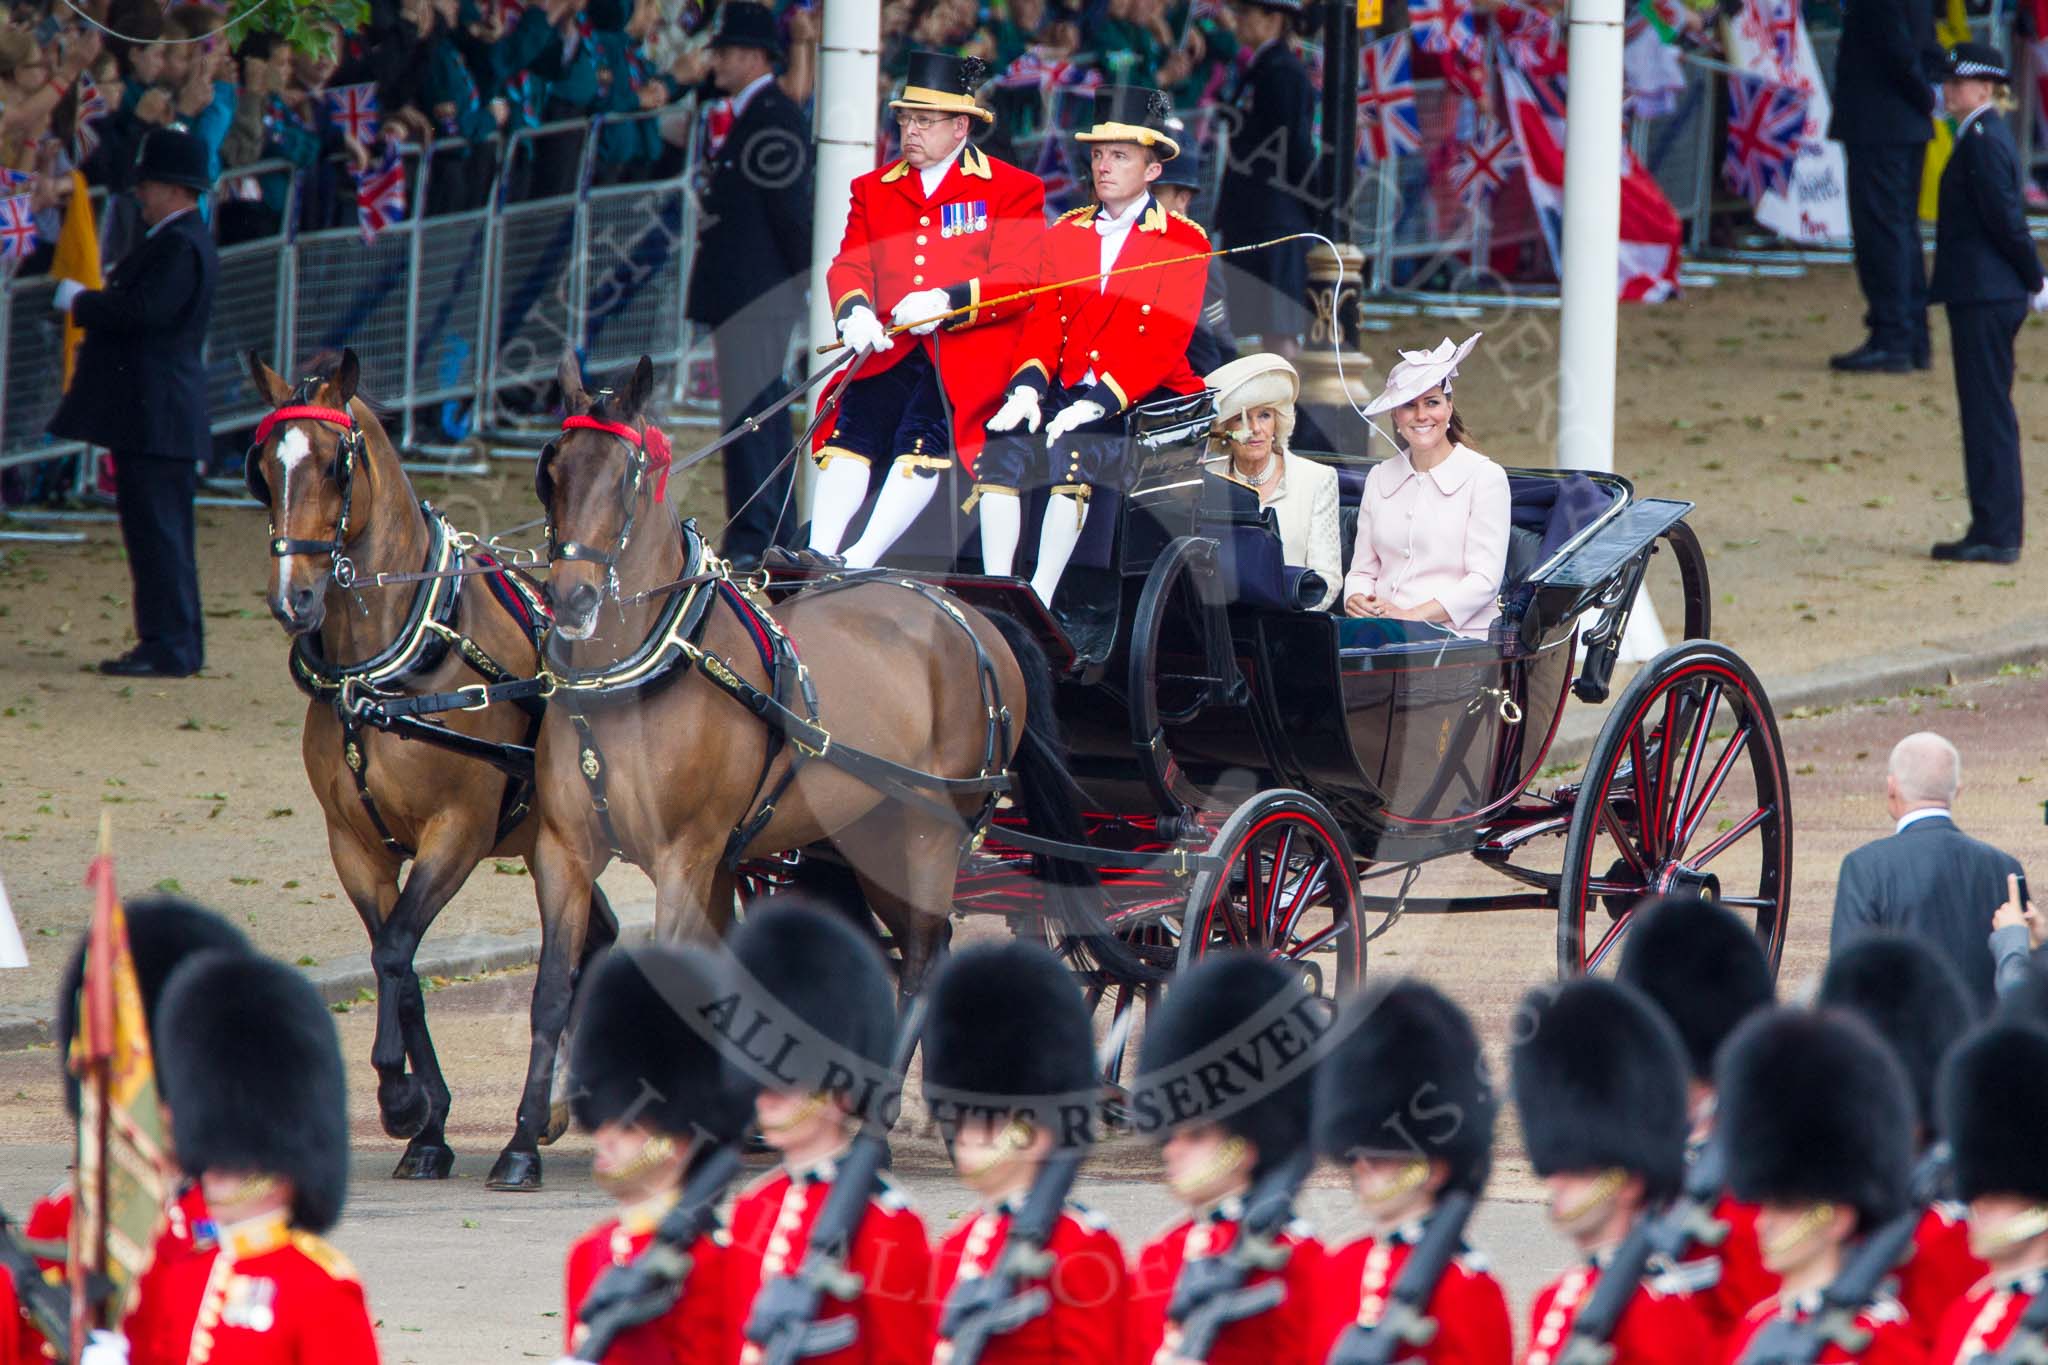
(1685, 794)
(1282, 882)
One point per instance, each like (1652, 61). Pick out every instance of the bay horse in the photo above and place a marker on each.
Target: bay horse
(658, 745)
(441, 796)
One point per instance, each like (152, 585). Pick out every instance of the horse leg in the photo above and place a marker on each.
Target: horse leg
(414, 1103)
(906, 862)
(598, 939)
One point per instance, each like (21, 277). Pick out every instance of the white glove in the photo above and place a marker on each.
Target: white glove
(923, 308)
(1074, 415)
(1020, 406)
(67, 290)
(863, 331)
(105, 1348)
(2039, 303)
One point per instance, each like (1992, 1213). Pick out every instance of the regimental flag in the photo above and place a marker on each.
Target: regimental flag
(380, 194)
(1650, 229)
(1388, 124)
(1766, 125)
(90, 109)
(354, 109)
(17, 228)
(1483, 162)
(77, 258)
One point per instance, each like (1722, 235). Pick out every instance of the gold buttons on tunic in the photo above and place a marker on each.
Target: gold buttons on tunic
(921, 239)
(917, 279)
(917, 260)
(924, 222)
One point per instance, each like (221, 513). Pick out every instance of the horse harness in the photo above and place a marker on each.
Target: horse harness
(350, 451)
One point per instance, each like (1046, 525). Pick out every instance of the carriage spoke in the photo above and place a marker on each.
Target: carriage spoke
(1737, 742)
(1310, 884)
(1264, 915)
(1608, 940)
(1726, 841)
(1611, 819)
(1645, 798)
(1750, 902)
(1696, 743)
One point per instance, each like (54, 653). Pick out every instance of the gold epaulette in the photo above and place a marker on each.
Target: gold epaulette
(1182, 217)
(1074, 213)
(323, 1255)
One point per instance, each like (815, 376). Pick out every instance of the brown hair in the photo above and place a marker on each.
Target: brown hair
(17, 49)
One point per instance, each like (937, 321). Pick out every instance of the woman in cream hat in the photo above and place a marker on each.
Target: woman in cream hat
(1254, 419)
(1433, 523)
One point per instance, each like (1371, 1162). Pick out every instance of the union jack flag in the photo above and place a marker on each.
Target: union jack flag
(91, 108)
(1534, 37)
(9, 179)
(1766, 124)
(1483, 162)
(1445, 28)
(1388, 124)
(354, 108)
(380, 194)
(1033, 71)
(1781, 24)
(17, 228)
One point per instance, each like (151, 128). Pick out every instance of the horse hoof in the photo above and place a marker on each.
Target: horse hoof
(403, 1105)
(425, 1161)
(558, 1123)
(516, 1170)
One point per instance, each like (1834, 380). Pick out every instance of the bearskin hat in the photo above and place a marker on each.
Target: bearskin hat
(1814, 1107)
(1007, 1028)
(645, 1050)
(1701, 965)
(162, 932)
(1405, 1077)
(1235, 1005)
(1911, 996)
(250, 1050)
(818, 978)
(1994, 1109)
(1598, 1076)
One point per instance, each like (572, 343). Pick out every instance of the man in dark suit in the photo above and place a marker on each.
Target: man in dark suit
(753, 258)
(139, 390)
(1883, 117)
(1267, 185)
(1928, 879)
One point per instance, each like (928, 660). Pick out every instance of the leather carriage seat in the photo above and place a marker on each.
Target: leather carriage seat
(1546, 513)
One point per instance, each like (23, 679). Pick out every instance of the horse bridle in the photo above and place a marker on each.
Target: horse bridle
(646, 449)
(350, 450)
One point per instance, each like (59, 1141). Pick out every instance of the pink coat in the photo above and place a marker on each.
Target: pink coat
(1441, 534)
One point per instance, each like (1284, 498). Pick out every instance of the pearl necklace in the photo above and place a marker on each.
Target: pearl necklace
(1261, 480)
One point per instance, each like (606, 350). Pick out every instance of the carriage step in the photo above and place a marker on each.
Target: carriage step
(1595, 563)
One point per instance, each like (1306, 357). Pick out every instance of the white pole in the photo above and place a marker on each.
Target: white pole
(1591, 270)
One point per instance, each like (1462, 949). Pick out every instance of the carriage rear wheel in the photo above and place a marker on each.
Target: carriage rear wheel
(1684, 793)
(1284, 883)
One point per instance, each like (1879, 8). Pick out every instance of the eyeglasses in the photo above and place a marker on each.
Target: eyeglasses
(924, 121)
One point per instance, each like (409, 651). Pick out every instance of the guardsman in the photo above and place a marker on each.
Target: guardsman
(1098, 347)
(1009, 1077)
(1404, 1101)
(249, 1050)
(1918, 1006)
(1818, 1118)
(943, 229)
(1705, 970)
(652, 1091)
(1221, 1138)
(822, 984)
(1994, 1108)
(1599, 1080)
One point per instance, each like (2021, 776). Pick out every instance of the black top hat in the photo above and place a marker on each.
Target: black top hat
(821, 981)
(744, 24)
(1008, 1031)
(1185, 169)
(1702, 966)
(1976, 62)
(1911, 996)
(643, 1053)
(1132, 113)
(1994, 1108)
(942, 83)
(172, 156)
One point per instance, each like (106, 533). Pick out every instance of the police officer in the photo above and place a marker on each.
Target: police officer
(1985, 272)
(1267, 187)
(753, 259)
(139, 390)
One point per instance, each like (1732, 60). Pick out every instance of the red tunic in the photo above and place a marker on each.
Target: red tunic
(1281, 1336)
(1130, 330)
(266, 1294)
(1728, 1280)
(1940, 1272)
(1983, 1320)
(1468, 1307)
(976, 237)
(697, 1331)
(771, 1228)
(187, 1228)
(1658, 1327)
(1892, 1339)
(1084, 1324)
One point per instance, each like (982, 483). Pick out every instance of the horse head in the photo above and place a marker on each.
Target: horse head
(309, 466)
(598, 481)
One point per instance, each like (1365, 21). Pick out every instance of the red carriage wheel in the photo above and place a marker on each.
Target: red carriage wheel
(1284, 883)
(1684, 793)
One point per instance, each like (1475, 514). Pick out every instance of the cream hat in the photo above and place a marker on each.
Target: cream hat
(1253, 381)
(1417, 372)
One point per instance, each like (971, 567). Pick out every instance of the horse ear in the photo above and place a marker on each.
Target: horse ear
(269, 384)
(569, 375)
(345, 376)
(639, 388)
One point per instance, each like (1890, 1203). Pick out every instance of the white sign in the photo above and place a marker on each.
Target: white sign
(12, 954)
(1769, 39)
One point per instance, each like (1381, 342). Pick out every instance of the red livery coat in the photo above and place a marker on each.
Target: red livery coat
(1131, 329)
(771, 1229)
(977, 237)
(264, 1294)
(1468, 1307)
(1983, 1320)
(1892, 1339)
(1657, 1327)
(697, 1331)
(1084, 1325)
(1281, 1336)
(1940, 1272)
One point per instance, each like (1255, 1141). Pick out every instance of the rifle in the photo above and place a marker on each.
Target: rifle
(46, 1306)
(649, 1285)
(1211, 1292)
(990, 1305)
(1406, 1321)
(783, 1323)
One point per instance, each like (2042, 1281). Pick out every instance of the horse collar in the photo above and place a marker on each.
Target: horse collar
(419, 644)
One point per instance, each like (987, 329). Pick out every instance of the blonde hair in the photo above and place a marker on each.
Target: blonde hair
(17, 49)
(1283, 424)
